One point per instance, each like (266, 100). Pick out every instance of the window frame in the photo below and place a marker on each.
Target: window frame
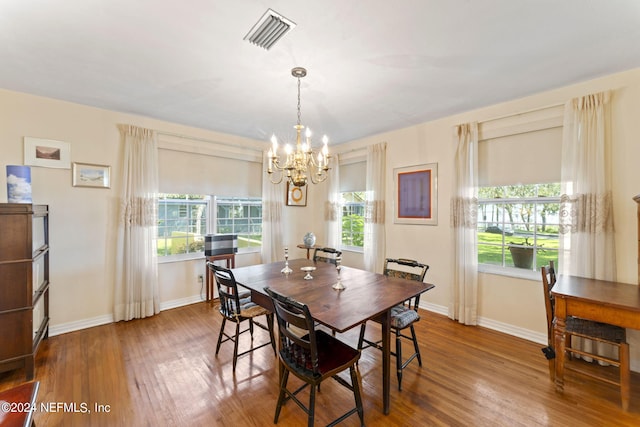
(214, 220)
(185, 255)
(343, 204)
(504, 268)
(211, 225)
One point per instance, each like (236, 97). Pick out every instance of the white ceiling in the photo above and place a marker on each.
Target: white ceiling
(373, 65)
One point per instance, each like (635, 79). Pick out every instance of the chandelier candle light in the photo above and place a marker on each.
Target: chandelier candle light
(303, 161)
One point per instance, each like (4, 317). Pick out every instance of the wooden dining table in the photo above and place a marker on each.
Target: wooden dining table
(366, 296)
(604, 301)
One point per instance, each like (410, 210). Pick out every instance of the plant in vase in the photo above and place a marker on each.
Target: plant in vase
(522, 254)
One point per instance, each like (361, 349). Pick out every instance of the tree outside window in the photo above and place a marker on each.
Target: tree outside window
(353, 206)
(518, 225)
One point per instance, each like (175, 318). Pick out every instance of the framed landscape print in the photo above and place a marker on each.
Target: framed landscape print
(416, 194)
(90, 175)
(47, 153)
(296, 196)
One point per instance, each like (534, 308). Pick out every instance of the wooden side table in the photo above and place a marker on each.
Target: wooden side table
(308, 248)
(21, 402)
(231, 263)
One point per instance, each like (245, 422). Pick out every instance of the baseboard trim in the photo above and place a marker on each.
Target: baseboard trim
(494, 325)
(64, 328)
(526, 334)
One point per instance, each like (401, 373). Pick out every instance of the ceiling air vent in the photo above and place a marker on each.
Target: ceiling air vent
(269, 29)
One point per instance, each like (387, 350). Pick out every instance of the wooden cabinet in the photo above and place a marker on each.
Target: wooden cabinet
(24, 284)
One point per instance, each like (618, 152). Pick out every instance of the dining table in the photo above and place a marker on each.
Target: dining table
(366, 296)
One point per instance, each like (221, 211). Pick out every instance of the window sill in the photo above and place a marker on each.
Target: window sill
(180, 257)
(196, 256)
(519, 273)
(354, 249)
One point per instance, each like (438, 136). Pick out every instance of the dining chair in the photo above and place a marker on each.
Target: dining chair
(403, 316)
(237, 307)
(313, 357)
(588, 329)
(327, 255)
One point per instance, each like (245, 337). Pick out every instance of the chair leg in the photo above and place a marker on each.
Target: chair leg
(415, 345)
(281, 395)
(312, 406)
(271, 335)
(399, 359)
(355, 382)
(220, 335)
(235, 346)
(625, 375)
(251, 328)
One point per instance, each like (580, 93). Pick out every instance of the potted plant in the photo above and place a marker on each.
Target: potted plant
(522, 254)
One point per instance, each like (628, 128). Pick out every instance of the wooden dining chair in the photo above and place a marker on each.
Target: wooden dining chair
(327, 255)
(313, 357)
(403, 316)
(588, 329)
(237, 307)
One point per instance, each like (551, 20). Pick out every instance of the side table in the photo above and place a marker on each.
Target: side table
(231, 263)
(308, 248)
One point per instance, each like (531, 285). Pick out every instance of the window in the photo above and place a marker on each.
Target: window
(353, 205)
(241, 216)
(184, 220)
(182, 223)
(518, 225)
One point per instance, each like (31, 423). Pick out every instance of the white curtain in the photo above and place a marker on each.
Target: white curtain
(136, 289)
(586, 202)
(272, 202)
(374, 234)
(464, 219)
(586, 212)
(332, 207)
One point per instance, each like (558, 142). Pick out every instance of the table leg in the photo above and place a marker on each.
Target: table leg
(559, 329)
(386, 361)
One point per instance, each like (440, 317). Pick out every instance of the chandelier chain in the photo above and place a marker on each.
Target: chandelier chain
(298, 101)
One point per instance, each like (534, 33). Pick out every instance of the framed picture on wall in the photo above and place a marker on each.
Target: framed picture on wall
(47, 153)
(90, 175)
(296, 196)
(416, 194)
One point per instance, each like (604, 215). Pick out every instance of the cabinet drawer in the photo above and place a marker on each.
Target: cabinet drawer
(15, 285)
(15, 339)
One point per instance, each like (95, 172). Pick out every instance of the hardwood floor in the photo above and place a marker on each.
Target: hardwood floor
(163, 371)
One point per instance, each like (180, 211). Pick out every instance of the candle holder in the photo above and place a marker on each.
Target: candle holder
(338, 285)
(286, 270)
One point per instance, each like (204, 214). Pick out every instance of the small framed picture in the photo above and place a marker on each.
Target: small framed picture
(416, 195)
(47, 153)
(296, 196)
(90, 175)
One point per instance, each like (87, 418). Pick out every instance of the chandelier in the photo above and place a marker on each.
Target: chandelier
(301, 165)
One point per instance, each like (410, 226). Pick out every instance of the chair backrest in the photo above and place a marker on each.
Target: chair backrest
(227, 290)
(405, 269)
(548, 281)
(297, 337)
(327, 255)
